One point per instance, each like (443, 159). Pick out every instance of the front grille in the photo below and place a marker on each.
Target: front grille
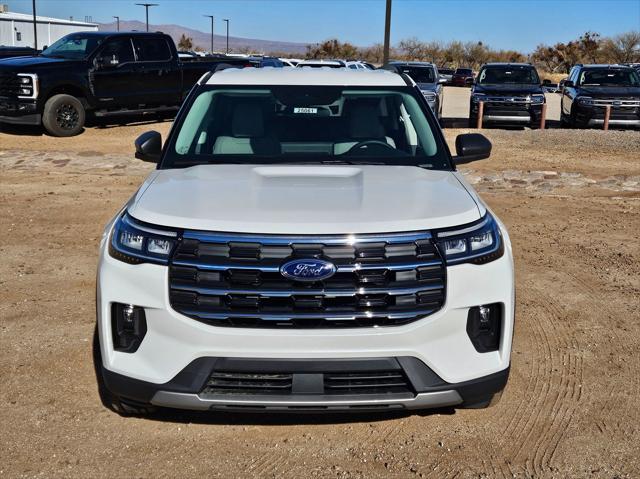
(235, 281)
(327, 384)
(616, 102)
(507, 100)
(8, 85)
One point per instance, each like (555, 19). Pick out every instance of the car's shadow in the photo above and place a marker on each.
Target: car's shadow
(451, 122)
(269, 418)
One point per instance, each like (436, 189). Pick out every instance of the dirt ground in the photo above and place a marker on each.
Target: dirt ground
(571, 409)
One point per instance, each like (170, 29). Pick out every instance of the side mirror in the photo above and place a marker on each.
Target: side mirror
(568, 84)
(149, 146)
(471, 147)
(108, 61)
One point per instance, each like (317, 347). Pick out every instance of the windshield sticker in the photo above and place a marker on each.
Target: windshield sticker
(305, 110)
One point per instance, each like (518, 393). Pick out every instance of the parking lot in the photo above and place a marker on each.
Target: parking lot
(570, 199)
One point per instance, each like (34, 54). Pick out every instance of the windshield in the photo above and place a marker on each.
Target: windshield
(306, 124)
(76, 46)
(609, 77)
(508, 75)
(420, 74)
(464, 71)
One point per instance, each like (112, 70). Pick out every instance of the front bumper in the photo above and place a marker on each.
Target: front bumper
(19, 112)
(619, 116)
(173, 341)
(184, 391)
(508, 114)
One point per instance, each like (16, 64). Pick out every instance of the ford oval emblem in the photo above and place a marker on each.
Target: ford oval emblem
(308, 269)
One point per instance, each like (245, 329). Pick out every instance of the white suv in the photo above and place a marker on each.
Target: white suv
(305, 243)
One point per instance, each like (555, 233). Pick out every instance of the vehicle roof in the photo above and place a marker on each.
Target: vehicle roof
(115, 34)
(508, 64)
(607, 66)
(305, 76)
(315, 62)
(411, 64)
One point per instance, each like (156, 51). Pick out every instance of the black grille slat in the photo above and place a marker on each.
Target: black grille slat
(9, 85)
(236, 282)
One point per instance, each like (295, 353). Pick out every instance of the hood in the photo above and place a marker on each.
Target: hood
(508, 89)
(32, 62)
(609, 91)
(304, 199)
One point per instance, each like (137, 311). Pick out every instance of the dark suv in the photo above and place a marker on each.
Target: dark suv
(511, 93)
(427, 79)
(591, 88)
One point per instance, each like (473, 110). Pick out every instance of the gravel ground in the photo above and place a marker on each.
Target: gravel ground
(571, 408)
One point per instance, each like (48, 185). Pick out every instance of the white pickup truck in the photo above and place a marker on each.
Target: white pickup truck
(305, 243)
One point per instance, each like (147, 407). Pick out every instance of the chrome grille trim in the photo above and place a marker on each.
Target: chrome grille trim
(342, 268)
(320, 315)
(326, 292)
(292, 239)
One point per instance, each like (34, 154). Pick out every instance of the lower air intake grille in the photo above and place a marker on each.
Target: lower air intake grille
(249, 383)
(327, 384)
(366, 383)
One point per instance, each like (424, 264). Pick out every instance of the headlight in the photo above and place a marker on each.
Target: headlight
(476, 97)
(429, 96)
(27, 85)
(585, 100)
(134, 242)
(537, 99)
(477, 243)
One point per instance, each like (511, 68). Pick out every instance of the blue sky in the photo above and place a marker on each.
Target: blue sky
(514, 24)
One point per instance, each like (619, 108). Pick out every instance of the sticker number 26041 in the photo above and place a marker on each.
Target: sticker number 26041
(305, 110)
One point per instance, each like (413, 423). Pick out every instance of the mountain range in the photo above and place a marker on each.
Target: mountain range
(203, 39)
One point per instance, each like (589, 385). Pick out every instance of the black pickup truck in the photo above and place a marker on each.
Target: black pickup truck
(98, 73)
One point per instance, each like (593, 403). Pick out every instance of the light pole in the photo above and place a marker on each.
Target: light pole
(117, 22)
(146, 8)
(227, 22)
(387, 34)
(35, 27)
(211, 17)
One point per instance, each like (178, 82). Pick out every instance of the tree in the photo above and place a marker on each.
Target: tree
(332, 48)
(185, 43)
(546, 57)
(622, 48)
(589, 46)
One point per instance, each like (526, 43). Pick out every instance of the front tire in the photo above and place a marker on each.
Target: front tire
(123, 406)
(64, 115)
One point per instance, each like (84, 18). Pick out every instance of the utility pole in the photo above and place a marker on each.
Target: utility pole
(387, 33)
(146, 8)
(211, 17)
(35, 26)
(227, 22)
(117, 22)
